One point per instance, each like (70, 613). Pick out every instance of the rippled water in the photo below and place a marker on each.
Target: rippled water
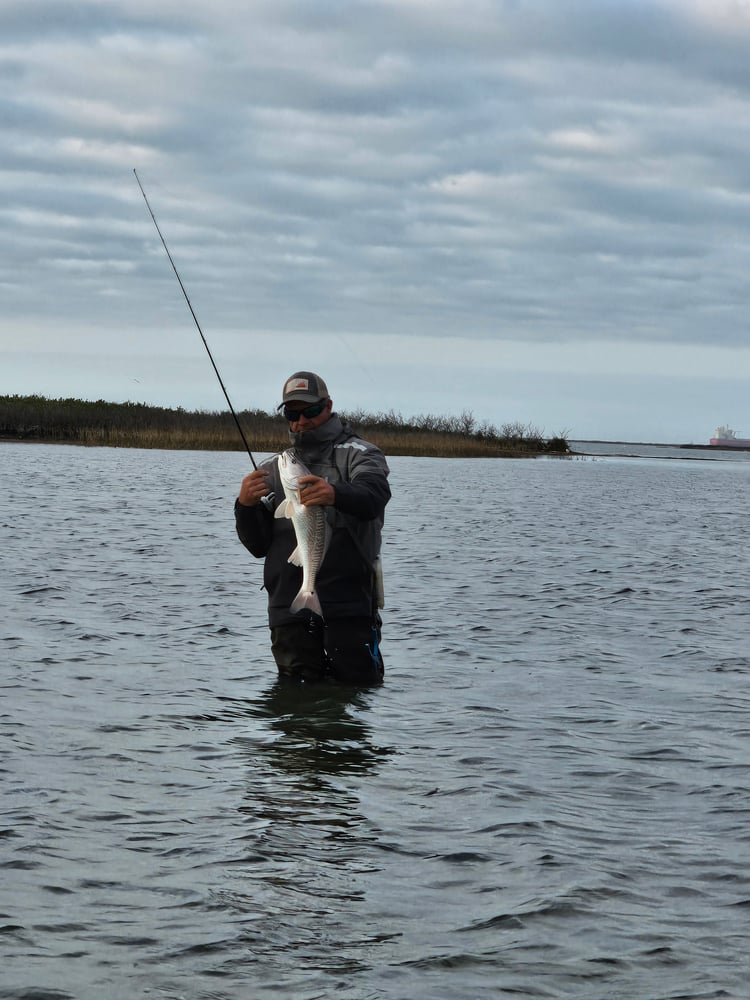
(548, 798)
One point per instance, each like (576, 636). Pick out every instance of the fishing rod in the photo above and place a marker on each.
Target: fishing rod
(195, 318)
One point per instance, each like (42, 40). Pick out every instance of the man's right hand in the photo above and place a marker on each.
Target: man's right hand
(254, 487)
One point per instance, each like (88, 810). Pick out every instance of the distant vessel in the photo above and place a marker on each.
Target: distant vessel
(725, 437)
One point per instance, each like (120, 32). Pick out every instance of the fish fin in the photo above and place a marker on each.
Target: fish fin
(296, 557)
(283, 510)
(306, 600)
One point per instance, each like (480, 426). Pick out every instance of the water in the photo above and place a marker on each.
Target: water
(548, 797)
(625, 449)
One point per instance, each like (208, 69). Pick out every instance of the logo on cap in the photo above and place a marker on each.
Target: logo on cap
(295, 384)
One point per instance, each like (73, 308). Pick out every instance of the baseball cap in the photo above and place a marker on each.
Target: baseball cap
(304, 387)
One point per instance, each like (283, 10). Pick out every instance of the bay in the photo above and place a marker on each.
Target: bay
(547, 798)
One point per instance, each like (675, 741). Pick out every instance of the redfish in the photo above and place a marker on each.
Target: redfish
(310, 527)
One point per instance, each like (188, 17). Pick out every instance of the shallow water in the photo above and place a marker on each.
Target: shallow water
(548, 797)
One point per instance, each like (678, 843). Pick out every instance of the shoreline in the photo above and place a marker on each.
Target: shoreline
(455, 450)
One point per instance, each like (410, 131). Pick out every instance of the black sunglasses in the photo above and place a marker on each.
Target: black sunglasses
(309, 412)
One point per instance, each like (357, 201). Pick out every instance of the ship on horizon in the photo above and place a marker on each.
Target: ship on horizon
(725, 437)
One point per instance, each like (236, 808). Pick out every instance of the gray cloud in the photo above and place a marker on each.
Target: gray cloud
(537, 172)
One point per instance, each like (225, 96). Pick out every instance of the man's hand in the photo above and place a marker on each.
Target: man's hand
(254, 487)
(316, 492)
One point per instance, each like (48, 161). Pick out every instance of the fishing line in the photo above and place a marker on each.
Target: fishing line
(195, 318)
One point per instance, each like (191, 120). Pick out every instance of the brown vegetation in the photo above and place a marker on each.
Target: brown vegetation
(136, 425)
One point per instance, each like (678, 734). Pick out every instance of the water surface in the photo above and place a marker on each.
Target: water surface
(547, 798)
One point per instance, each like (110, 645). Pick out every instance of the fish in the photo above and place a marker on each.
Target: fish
(311, 529)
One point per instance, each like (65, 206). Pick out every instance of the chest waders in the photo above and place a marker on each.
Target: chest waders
(378, 597)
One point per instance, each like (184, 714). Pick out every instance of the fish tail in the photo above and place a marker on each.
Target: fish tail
(306, 600)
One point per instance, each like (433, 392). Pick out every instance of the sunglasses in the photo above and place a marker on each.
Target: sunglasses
(310, 412)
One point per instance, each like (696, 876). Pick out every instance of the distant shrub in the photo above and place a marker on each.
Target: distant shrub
(137, 425)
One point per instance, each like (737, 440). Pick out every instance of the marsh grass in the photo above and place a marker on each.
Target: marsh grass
(136, 425)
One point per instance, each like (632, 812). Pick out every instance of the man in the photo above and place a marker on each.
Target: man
(349, 479)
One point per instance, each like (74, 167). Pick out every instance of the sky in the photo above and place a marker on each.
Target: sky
(532, 211)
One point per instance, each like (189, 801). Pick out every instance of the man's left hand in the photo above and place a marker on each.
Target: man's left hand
(316, 492)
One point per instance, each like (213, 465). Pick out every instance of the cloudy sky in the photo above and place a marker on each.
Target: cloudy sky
(534, 210)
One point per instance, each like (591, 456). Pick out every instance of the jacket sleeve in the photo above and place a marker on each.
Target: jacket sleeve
(367, 492)
(254, 527)
(255, 524)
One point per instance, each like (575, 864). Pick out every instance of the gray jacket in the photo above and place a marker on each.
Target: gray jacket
(346, 582)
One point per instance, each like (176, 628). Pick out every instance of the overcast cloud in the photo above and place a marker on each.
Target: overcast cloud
(535, 211)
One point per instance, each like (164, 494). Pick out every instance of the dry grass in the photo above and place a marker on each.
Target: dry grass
(391, 442)
(176, 440)
(135, 425)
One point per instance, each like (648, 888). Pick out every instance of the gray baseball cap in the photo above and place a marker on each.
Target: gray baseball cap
(304, 387)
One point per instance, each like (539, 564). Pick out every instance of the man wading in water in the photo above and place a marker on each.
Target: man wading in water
(349, 480)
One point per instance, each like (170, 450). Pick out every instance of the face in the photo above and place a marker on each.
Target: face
(302, 423)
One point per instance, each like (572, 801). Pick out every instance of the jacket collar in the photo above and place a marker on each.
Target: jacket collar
(318, 441)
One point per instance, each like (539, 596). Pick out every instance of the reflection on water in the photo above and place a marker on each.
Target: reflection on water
(306, 856)
(321, 729)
